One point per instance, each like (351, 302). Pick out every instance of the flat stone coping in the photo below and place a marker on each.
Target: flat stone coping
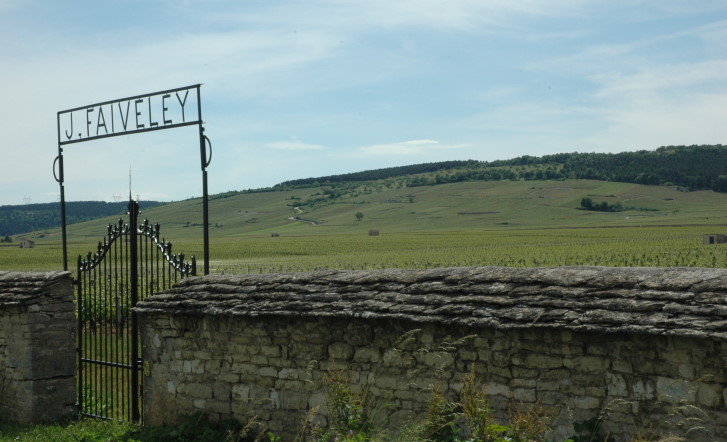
(658, 301)
(23, 288)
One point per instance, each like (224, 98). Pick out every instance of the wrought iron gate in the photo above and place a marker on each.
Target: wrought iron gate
(130, 264)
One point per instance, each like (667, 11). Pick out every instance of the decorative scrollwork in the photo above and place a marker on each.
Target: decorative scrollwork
(114, 232)
(152, 231)
(176, 261)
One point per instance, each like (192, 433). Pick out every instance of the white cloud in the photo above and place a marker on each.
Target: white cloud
(294, 145)
(349, 73)
(411, 147)
(667, 79)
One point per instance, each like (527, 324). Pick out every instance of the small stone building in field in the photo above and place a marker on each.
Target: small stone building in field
(715, 238)
(27, 244)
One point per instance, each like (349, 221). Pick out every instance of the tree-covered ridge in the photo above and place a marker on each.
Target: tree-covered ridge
(690, 167)
(380, 174)
(32, 217)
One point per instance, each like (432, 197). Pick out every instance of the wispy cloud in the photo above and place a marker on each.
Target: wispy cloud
(411, 147)
(672, 79)
(294, 145)
(457, 79)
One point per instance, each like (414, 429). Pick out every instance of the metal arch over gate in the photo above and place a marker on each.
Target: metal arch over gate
(131, 263)
(154, 111)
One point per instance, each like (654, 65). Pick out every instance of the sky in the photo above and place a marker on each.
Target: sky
(295, 89)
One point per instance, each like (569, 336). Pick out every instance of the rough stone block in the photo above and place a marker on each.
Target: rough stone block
(364, 354)
(616, 385)
(587, 403)
(339, 351)
(675, 390)
(709, 395)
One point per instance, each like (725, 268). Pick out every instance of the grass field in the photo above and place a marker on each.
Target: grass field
(519, 223)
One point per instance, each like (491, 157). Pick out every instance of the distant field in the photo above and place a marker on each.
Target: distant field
(533, 223)
(634, 246)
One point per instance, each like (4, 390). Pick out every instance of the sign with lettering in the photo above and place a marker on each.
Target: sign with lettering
(142, 113)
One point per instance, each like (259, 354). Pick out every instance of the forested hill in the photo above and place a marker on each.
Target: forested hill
(691, 167)
(32, 217)
(388, 172)
(688, 167)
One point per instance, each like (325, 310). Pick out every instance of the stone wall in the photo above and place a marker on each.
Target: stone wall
(37, 347)
(642, 346)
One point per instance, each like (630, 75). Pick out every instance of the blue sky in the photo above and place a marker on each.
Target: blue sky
(297, 89)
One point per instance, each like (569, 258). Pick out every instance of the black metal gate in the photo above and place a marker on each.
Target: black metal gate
(130, 264)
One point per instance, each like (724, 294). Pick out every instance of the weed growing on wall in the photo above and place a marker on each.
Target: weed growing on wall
(354, 413)
(469, 418)
(351, 411)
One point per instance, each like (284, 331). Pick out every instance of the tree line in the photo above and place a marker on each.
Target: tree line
(15, 219)
(696, 167)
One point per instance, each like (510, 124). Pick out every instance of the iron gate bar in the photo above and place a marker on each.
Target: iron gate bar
(110, 282)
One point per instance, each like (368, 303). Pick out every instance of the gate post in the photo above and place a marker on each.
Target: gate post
(134, 276)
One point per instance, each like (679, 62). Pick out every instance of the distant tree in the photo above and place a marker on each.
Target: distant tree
(359, 216)
(720, 184)
(7, 239)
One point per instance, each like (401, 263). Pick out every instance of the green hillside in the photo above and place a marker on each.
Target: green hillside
(499, 205)
(511, 223)
(688, 168)
(434, 215)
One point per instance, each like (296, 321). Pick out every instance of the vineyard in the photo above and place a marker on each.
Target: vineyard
(517, 224)
(644, 246)
(655, 247)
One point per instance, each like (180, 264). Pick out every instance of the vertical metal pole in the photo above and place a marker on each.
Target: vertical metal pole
(63, 218)
(133, 225)
(205, 208)
(80, 382)
(59, 180)
(205, 196)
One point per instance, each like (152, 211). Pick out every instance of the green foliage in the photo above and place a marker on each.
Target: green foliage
(589, 430)
(88, 430)
(199, 428)
(352, 410)
(470, 419)
(720, 184)
(191, 428)
(603, 206)
(95, 403)
(359, 216)
(692, 167)
(378, 174)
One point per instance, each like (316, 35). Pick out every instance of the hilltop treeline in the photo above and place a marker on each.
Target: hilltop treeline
(690, 167)
(33, 217)
(380, 174)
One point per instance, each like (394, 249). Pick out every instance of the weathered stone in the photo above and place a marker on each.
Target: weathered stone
(616, 385)
(364, 354)
(587, 403)
(675, 390)
(340, 351)
(580, 339)
(37, 348)
(709, 395)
